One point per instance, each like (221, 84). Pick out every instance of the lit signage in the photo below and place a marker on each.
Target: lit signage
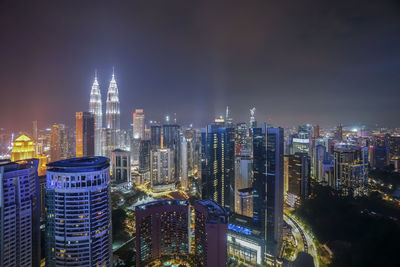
(301, 140)
(239, 229)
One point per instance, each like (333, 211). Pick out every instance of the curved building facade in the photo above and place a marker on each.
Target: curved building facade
(162, 228)
(78, 226)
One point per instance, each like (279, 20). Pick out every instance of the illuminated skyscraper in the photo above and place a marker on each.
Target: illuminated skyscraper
(274, 214)
(58, 142)
(339, 132)
(350, 168)
(253, 122)
(120, 166)
(184, 163)
(85, 134)
(20, 214)
(78, 205)
(298, 175)
(138, 124)
(156, 141)
(95, 107)
(23, 148)
(113, 114)
(162, 169)
(259, 177)
(217, 165)
(228, 118)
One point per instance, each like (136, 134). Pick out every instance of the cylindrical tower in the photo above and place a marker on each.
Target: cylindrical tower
(78, 226)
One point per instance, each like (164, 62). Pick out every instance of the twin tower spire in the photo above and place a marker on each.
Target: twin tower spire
(112, 113)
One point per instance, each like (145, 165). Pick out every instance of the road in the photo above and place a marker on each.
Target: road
(306, 238)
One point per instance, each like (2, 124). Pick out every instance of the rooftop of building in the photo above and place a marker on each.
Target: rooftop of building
(244, 225)
(216, 213)
(120, 150)
(8, 165)
(79, 164)
(346, 147)
(159, 203)
(248, 190)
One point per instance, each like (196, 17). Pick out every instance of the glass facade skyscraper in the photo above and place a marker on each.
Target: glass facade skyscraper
(275, 198)
(19, 214)
(217, 170)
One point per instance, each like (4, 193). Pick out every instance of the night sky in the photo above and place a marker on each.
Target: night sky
(300, 61)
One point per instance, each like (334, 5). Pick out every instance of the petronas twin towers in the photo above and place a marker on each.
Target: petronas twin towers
(106, 139)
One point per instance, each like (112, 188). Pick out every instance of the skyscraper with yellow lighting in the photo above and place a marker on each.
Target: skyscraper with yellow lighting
(23, 148)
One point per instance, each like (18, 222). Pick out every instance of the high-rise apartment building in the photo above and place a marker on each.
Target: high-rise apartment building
(78, 204)
(217, 170)
(162, 229)
(19, 214)
(211, 227)
(162, 169)
(85, 134)
(96, 108)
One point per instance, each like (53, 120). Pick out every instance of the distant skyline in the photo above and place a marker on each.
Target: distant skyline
(297, 62)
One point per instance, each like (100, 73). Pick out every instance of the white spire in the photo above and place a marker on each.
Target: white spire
(95, 107)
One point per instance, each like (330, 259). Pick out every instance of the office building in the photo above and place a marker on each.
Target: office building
(144, 159)
(243, 169)
(85, 134)
(217, 165)
(380, 156)
(350, 168)
(171, 140)
(58, 142)
(156, 134)
(298, 171)
(78, 204)
(339, 132)
(138, 124)
(120, 167)
(316, 132)
(113, 119)
(259, 177)
(183, 169)
(274, 196)
(96, 108)
(19, 214)
(245, 202)
(228, 118)
(245, 241)
(253, 122)
(211, 227)
(162, 229)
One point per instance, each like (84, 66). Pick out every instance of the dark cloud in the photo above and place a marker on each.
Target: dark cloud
(295, 61)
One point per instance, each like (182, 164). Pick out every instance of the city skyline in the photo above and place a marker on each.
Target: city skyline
(200, 134)
(342, 70)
